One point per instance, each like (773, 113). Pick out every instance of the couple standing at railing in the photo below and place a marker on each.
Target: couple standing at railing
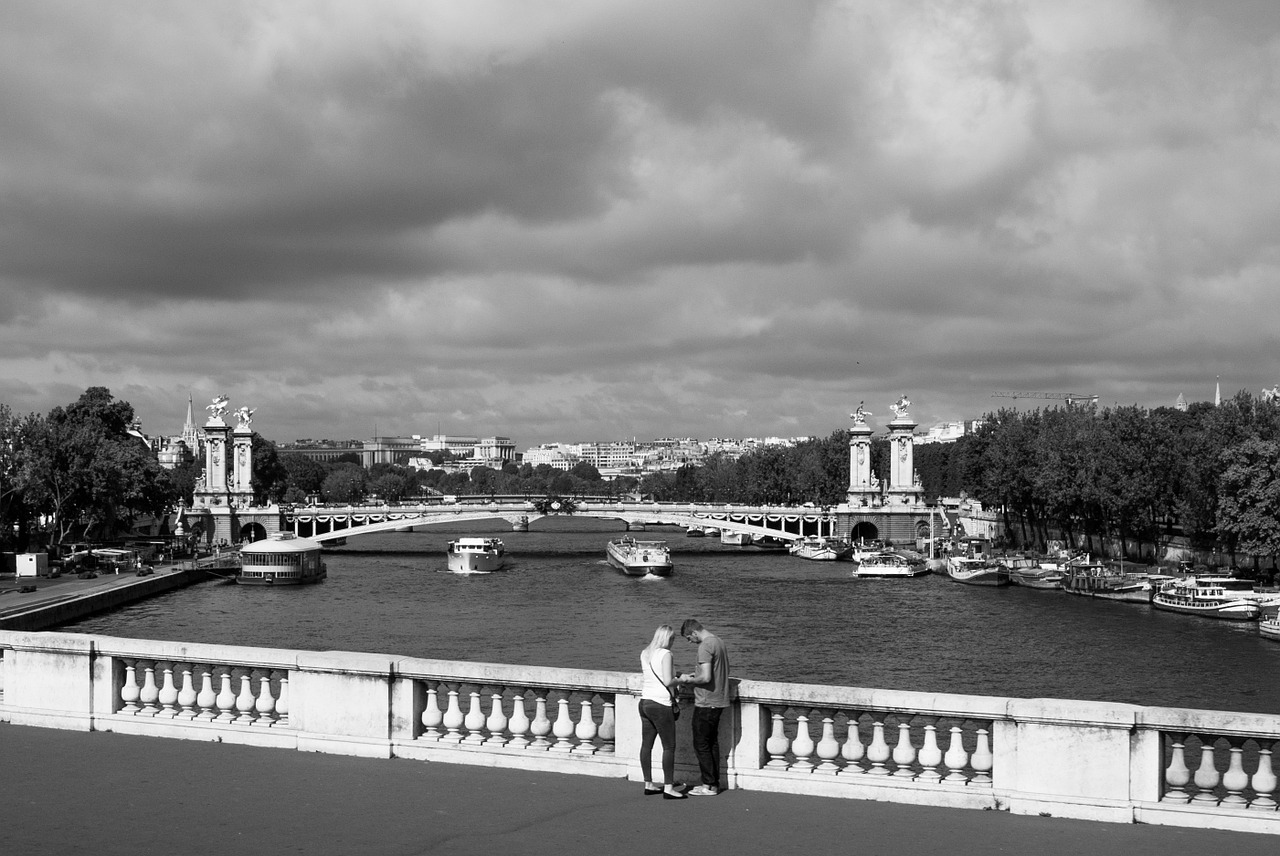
(660, 707)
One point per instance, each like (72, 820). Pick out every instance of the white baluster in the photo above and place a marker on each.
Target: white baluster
(168, 697)
(187, 695)
(852, 751)
(206, 699)
(129, 690)
(777, 744)
(226, 700)
(904, 753)
(541, 726)
(930, 755)
(1177, 777)
(956, 757)
(828, 749)
(149, 695)
(518, 725)
(982, 759)
(432, 715)
(802, 746)
(608, 728)
(453, 717)
(497, 721)
(244, 701)
(586, 730)
(1235, 780)
(282, 700)
(1206, 777)
(563, 727)
(1264, 781)
(878, 752)
(265, 705)
(474, 720)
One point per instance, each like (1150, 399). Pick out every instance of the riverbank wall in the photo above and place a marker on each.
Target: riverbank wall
(76, 599)
(1049, 757)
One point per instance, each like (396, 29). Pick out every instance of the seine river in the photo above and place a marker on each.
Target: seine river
(783, 619)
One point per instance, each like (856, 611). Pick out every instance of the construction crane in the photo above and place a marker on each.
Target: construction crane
(1068, 397)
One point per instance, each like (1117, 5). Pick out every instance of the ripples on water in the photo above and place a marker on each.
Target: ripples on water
(785, 619)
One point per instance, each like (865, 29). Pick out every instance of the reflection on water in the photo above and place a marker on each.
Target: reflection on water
(559, 604)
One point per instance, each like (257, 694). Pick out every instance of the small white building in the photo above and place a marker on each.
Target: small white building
(32, 565)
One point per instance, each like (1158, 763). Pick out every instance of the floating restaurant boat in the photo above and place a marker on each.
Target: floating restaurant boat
(819, 549)
(1205, 596)
(889, 564)
(735, 539)
(283, 559)
(640, 558)
(476, 555)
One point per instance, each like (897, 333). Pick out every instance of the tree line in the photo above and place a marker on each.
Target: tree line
(1126, 473)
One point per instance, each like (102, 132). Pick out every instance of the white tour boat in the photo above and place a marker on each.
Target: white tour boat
(640, 558)
(283, 559)
(888, 564)
(476, 555)
(820, 549)
(1205, 596)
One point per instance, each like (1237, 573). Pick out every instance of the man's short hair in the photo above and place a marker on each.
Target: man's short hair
(689, 625)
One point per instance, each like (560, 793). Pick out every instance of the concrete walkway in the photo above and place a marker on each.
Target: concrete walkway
(70, 793)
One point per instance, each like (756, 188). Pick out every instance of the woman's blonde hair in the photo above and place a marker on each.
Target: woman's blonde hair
(661, 639)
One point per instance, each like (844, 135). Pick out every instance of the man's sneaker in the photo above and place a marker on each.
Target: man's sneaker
(704, 791)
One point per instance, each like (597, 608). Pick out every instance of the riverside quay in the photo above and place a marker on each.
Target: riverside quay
(1050, 757)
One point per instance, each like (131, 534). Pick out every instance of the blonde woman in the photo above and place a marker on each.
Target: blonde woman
(655, 714)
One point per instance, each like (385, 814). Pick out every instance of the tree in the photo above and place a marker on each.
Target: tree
(1249, 496)
(345, 483)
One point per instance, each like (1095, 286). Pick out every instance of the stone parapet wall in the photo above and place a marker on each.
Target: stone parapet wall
(1060, 757)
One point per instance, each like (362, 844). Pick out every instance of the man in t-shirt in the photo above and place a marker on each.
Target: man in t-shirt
(710, 697)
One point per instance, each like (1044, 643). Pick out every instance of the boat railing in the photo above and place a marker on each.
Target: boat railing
(1066, 758)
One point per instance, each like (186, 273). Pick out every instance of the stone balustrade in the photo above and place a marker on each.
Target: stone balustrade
(1058, 757)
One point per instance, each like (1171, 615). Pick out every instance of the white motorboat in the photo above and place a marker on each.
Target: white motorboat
(1205, 596)
(640, 558)
(476, 555)
(819, 549)
(889, 564)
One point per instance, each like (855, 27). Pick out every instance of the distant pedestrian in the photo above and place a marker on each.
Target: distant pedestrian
(710, 697)
(656, 719)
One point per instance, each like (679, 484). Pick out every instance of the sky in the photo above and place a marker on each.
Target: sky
(554, 220)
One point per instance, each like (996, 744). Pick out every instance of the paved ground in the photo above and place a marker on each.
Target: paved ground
(71, 793)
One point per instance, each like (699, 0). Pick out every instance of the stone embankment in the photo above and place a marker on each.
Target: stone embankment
(43, 602)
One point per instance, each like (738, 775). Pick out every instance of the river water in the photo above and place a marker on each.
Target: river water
(785, 619)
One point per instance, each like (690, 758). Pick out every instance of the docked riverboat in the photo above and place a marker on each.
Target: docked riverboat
(735, 539)
(476, 555)
(1205, 596)
(819, 549)
(1105, 582)
(283, 559)
(640, 558)
(888, 564)
(977, 571)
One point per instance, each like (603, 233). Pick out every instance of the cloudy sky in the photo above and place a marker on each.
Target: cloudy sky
(564, 220)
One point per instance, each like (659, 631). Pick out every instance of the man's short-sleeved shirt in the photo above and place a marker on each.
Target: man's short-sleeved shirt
(712, 650)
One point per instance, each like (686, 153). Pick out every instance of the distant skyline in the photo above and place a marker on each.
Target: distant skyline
(598, 219)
